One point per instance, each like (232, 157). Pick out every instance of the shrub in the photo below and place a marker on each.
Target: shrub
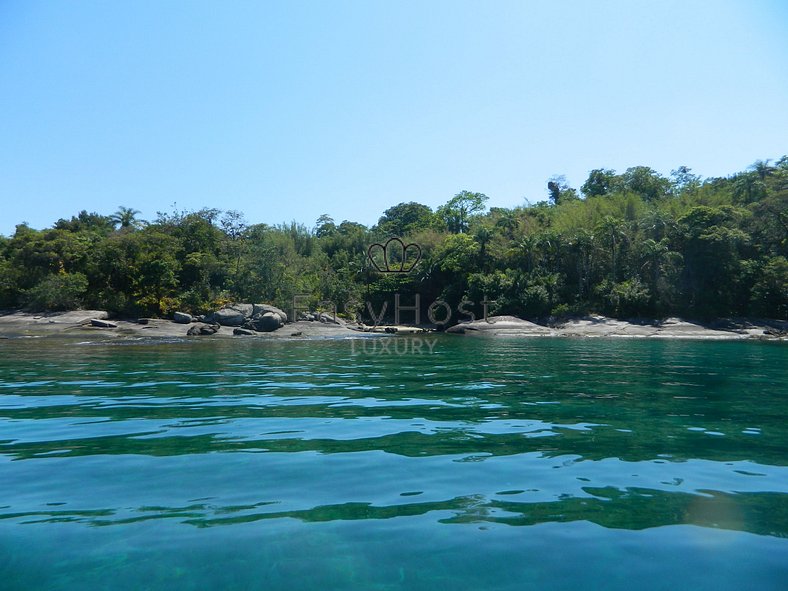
(628, 298)
(58, 292)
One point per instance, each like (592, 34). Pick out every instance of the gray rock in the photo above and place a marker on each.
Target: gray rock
(227, 317)
(260, 309)
(268, 322)
(182, 318)
(500, 325)
(243, 332)
(143, 320)
(202, 330)
(102, 323)
(328, 318)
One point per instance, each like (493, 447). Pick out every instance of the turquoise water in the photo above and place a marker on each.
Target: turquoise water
(473, 464)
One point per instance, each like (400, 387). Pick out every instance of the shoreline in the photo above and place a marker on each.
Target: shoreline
(16, 324)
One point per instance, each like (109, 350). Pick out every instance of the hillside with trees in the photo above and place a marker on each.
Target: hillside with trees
(630, 244)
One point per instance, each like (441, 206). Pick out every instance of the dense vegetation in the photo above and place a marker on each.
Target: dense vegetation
(631, 244)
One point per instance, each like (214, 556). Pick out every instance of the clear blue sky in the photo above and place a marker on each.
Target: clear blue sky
(286, 110)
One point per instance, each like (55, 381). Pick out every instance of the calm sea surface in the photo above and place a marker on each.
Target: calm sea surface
(331, 465)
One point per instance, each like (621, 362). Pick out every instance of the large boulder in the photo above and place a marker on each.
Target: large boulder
(268, 322)
(500, 326)
(327, 318)
(202, 330)
(232, 315)
(260, 309)
(182, 318)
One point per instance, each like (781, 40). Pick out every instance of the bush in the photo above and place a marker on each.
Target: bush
(625, 299)
(770, 292)
(58, 292)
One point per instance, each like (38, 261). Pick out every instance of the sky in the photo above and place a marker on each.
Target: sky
(288, 110)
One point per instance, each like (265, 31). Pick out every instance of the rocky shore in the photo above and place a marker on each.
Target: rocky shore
(259, 322)
(601, 326)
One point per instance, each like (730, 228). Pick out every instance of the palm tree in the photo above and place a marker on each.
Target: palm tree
(612, 230)
(125, 217)
(657, 258)
(483, 235)
(657, 224)
(582, 245)
(527, 246)
(508, 222)
(762, 168)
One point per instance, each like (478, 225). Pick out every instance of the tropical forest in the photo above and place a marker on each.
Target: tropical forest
(631, 244)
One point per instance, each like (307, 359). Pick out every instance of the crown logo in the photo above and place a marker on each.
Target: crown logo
(394, 256)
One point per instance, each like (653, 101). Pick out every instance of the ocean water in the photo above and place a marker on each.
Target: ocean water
(434, 463)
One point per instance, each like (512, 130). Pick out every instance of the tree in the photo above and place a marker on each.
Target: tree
(458, 212)
(600, 182)
(770, 292)
(62, 291)
(125, 217)
(762, 169)
(559, 190)
(483, 235)
(406, 218)
(748, 187)
(646, 182)
(87, 222)
(325, 226)
(683, 181)
(611, 231)
(710, 245)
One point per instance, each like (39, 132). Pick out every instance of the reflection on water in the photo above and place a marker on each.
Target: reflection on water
(401, 471)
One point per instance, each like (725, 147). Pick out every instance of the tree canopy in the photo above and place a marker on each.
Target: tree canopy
(635, 244)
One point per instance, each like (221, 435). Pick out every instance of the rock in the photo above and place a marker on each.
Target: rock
(268, 322)
(500, 325)
(329, 318)
(260, 309)
(102, 323)
(243, 332)
(229, 316)
(182, 318)
(143, 320)
(202, 330)
(297, 334)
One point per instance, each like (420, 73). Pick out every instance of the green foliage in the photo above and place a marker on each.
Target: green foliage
(63, 291)
(770, 292)
(638, 244)
(460, 209)
(626, 299)
(406, 218)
